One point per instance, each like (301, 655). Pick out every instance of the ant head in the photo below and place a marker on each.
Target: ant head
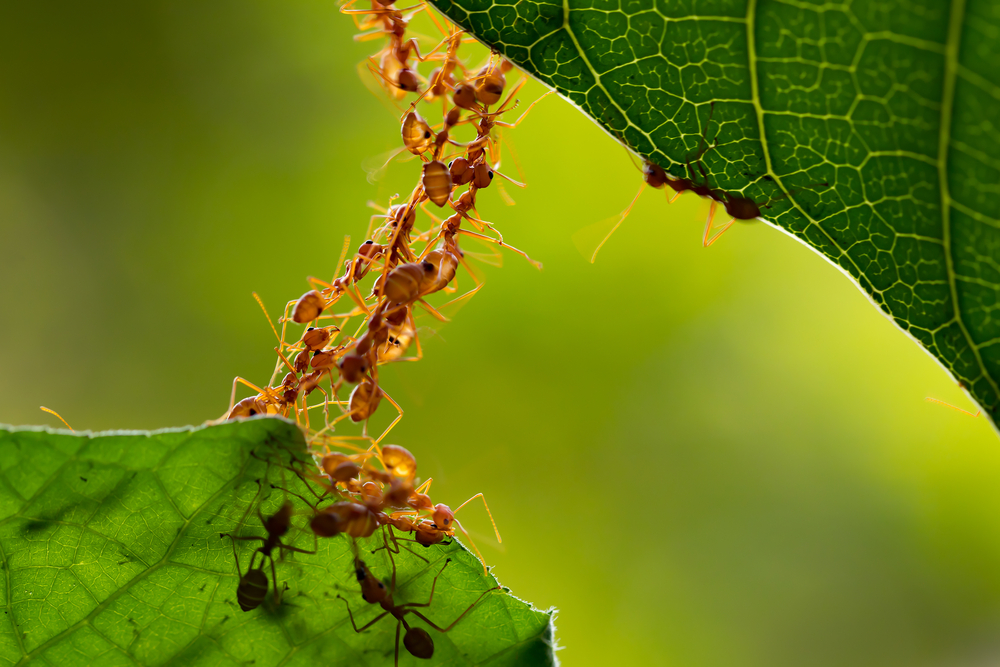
(465, 96)
(279, 523)
(654, 175)
(419, 643)
(443, 516)
(315, 339)
(353, 367)
(407, 80)
(345, 471)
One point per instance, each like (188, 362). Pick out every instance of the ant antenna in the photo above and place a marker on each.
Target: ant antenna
(953, 407)
(261, 304)
(53, 412)
(490, 514)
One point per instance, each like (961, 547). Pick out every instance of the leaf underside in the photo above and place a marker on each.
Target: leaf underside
(893, 102)
(111, 554)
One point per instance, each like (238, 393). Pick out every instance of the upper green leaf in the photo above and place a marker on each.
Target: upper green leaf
(112, 555)
(893, 102)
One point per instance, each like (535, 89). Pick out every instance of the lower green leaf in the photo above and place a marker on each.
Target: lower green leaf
(113, 554)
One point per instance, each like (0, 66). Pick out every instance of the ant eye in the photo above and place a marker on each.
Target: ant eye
(491, 175)
(427, 134)
(369, 242)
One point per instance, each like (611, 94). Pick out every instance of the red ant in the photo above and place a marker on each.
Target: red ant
(739, 207)
(416, 640)
(252, 589)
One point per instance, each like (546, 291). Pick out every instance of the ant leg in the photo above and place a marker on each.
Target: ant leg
(704, 132)
(490, 514)
(277, 589)
(59, 417)
(706, 241)
(396, 541)
(232, 397)
(526, 111)
(461, 616)
(517, 183)
(394, 421)
(621, 219)
(243, 538)
(721, 232)
(425, 487)
(535, 263)
(468, 267)
(474, 547)
(416, 338)
(298, 495)
(430, 309)
(440, 27)
(953, 407)
(367, 625)
(237, 557)
(285, 547)
(431, 598)
(423, 207)
(503, 107)
(467, 295)
(398, 624)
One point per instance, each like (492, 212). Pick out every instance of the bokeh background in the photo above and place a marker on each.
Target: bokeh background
(701, 457)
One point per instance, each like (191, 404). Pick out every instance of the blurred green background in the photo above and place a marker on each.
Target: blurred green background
(702, 457)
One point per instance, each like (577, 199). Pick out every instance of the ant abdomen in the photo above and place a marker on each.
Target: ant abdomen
(436, 180)
(252, 590)
(418, 642)
(308, 307)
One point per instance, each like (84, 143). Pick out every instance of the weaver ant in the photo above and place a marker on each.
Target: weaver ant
(416, 640)
(252, 588)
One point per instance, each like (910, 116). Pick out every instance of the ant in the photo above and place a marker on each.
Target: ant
(737, 206)
(252, 589)
(416, 640)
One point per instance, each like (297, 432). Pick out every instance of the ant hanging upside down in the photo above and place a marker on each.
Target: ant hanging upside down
(737, 206)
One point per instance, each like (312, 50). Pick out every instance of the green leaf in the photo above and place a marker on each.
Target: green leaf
(112, 555)
(893, 102)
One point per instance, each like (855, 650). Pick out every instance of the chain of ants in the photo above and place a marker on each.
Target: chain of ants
(360, 485)
(351, 496)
